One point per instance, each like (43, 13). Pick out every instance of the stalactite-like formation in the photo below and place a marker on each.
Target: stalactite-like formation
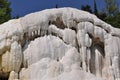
(59, 44)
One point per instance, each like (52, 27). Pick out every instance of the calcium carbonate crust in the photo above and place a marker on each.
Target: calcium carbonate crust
(59, 44)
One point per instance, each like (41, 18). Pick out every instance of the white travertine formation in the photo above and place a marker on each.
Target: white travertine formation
(47, 46)
(11, 61)
(59, 44)
(13, 75)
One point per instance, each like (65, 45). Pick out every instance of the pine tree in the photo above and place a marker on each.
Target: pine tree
(86, 8)
(5, 11)
(95, 8)
(111, 7)
(56, 6)
(113, 14)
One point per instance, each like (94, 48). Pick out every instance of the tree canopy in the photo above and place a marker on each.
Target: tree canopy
(95, 8)
(5, 11)
(111, 13)
(111, 7)
(86, 8)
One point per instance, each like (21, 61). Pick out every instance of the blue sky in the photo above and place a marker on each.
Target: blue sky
(23, 7)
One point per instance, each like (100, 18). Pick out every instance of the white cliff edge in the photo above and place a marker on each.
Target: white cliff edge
(59, 44)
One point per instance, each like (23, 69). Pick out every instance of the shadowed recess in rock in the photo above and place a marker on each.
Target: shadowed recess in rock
(63, 43)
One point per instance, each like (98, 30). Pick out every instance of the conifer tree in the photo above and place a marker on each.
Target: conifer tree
(95, 8)
(5, 11)
(111, 7)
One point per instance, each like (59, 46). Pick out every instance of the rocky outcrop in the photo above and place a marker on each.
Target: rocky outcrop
(59, 44)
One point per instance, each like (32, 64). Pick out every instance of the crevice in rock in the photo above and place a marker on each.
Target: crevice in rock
(4, 76)
(103, 28)
(77, 45)
(81, 64)
(4, 49)
(115, 35)
(97, 41)
(90, 35)
(97, 54)
(58, 22)
(74, 29)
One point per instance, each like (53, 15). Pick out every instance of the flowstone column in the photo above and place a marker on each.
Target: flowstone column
(81, 42)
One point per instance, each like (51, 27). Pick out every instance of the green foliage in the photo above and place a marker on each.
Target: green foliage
(114, 20)
(112, 12)
(111, 7)
(102, 15)
(5, 11)
(86, 8)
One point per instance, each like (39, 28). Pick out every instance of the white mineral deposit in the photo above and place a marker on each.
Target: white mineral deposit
(59, 44)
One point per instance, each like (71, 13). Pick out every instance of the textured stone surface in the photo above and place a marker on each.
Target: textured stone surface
(13, 75)
(59, 44)
(11, 61)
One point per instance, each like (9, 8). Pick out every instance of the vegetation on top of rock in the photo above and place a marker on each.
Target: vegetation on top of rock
(5, 11)
(110, 13)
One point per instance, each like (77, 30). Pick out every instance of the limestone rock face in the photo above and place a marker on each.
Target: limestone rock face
(13, 75)
(47, 46)
(59, 44)
(12, 59)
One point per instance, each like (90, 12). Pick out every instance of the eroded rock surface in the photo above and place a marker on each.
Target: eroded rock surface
(59, 44)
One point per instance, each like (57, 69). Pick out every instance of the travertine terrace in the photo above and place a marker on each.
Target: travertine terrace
(59, 44)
